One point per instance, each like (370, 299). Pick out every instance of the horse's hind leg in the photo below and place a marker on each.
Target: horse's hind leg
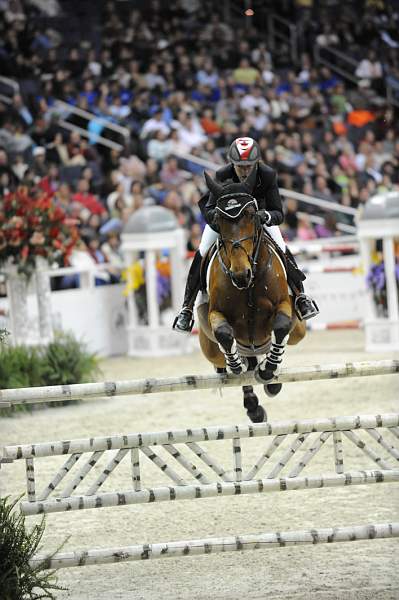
(255, 411)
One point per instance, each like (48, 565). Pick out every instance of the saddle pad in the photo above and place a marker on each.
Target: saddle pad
(279, 259)
(206, 262)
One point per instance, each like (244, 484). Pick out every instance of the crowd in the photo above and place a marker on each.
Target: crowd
(183, 79)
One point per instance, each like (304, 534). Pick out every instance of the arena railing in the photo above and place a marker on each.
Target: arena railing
(199, 164)
(8, 88)
(345, 65)
(63, 111)
(87, 274)
(281, 30)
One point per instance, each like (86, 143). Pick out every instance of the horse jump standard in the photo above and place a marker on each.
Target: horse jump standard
(198, 484)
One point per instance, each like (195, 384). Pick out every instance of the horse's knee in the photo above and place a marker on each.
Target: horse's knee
(281, 327)
(225, 337)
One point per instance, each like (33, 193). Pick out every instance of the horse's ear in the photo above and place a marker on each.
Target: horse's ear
(213, 187)
(250, 181)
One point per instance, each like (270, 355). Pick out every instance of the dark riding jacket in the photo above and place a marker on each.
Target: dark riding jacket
(266, 193)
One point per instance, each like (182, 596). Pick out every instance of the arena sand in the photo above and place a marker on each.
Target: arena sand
(362, 570)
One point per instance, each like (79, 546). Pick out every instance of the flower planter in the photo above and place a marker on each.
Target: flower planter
(17, 292)
(43, 292)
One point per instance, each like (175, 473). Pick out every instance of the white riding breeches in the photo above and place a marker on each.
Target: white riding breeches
(209, 237)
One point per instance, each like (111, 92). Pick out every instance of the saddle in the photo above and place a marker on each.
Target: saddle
(282, 256)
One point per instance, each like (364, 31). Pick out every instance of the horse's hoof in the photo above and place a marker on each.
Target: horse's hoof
(239, 367)
(264, 375)
(258, 416)
(235, 371)
(272, 389)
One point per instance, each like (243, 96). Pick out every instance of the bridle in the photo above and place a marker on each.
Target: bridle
(237, 243)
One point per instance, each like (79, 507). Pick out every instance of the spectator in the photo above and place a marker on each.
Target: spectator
(171, 176)
(245, 75)
(88, 200)
(328, 228)
(155, 123)
(305, 231)
(185, 75)
(39, 165)
(159, 147)
(370, 71)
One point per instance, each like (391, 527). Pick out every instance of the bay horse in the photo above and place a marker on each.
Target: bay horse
(247, 311)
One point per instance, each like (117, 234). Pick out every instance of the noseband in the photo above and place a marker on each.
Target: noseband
(237, 243)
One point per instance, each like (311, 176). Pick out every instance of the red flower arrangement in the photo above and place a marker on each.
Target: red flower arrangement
(32, 225)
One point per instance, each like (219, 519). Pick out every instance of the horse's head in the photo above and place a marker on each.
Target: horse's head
(239, 227)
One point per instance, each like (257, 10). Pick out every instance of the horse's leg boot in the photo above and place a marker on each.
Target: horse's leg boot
(185, 320)
(227, 344)
(270, 367)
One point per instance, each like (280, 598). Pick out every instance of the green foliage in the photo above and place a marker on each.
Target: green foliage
(20, 366)
(67, 360)
(18, 579)
(64, 361)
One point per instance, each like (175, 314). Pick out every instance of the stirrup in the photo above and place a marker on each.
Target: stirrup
(184, 321)
(311, 309)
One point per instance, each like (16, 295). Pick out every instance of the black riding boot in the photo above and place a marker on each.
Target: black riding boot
(305, 306)
(184, 321)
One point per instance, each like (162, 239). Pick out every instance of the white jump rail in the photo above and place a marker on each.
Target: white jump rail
(240, 543)
(231, 479)
(83, 391)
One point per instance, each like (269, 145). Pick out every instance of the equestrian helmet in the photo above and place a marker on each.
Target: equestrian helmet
(244, 151)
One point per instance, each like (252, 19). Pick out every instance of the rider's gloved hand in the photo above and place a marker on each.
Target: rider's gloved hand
(265, 216)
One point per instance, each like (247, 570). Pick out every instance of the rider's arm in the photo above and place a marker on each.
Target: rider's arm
(272, 199)
(209, 211)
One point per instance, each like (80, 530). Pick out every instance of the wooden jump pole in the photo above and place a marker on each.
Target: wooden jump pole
(239, 543)
(83, 391)
(198, 434)
(211, 490)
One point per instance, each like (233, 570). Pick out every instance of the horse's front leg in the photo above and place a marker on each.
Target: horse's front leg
(271, 365)
(224, 334)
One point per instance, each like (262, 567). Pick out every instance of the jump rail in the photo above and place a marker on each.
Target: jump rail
(215, 478)
(194, 382)
(214, 545)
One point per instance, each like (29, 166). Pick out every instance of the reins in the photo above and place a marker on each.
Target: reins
(253, 260)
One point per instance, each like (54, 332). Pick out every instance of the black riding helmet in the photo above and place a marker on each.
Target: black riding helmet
(244, 151)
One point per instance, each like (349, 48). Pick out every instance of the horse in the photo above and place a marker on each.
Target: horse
(246, 315)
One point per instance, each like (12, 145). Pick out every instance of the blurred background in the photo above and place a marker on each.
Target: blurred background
(109, 107)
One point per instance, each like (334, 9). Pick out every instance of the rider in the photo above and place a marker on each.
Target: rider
(243, 155)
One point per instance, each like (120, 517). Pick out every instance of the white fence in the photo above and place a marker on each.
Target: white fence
(99, 315)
